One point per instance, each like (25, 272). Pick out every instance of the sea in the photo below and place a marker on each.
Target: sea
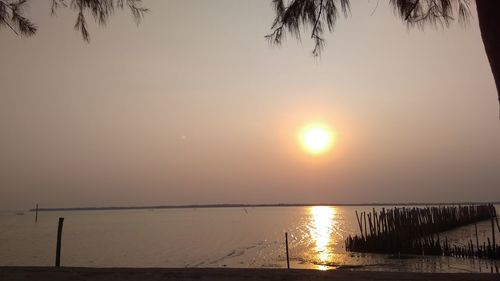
(235, 237)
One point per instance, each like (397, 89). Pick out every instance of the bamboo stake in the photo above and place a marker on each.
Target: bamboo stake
(364, 218)
(59, 237)
(286, 246)
(498, 226)
(359, 224)
(477, 239)
(493, 237)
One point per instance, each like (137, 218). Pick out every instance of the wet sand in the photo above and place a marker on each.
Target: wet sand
(229, 274)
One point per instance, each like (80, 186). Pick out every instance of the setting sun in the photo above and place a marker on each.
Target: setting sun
(316, 139)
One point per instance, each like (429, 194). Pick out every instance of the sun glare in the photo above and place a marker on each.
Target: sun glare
(321, 229)
(316, 139)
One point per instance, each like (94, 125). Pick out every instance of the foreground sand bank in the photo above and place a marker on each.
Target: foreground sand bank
(229, 274)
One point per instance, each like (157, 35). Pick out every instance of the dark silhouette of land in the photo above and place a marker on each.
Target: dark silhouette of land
(200, 206)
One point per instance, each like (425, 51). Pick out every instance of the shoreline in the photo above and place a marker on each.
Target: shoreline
(229, 274)
(205, 206)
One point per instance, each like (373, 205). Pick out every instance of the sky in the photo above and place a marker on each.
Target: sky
(193, 106)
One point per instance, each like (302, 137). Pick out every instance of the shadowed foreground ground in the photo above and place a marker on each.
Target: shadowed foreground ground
(200, 274)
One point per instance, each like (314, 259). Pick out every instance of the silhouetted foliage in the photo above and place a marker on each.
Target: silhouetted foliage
(294, 15)
(12, 13)
(432, 11)
(297, 16)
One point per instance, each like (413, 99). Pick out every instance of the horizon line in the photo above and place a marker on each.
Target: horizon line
(238, 205)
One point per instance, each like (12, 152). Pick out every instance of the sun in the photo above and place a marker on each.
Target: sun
(316, 138)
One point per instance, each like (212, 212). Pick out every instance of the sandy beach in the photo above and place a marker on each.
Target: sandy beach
(209, 274)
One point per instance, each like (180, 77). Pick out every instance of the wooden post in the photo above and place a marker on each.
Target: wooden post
(493, 237)
(359, 223)
(36, 213)
(286, 246)
(498, 226)
(477, 239)
(364, 218)
(59, 237)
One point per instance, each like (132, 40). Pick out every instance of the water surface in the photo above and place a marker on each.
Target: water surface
(211, 237)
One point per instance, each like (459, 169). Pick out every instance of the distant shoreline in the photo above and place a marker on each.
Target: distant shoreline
(206, 206)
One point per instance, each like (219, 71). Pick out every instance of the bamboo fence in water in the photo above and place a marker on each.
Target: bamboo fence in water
(416, 231)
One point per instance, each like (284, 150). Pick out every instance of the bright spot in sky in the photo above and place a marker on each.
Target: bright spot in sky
(316, 139)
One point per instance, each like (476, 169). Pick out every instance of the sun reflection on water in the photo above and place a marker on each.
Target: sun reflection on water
(321, 228)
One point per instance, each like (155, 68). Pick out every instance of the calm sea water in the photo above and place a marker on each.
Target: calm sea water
(210, 237)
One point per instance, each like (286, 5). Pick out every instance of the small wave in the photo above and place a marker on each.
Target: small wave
(238, 252)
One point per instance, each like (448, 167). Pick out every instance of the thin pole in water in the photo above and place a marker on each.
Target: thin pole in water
(286, 245)
(477, 239)
(59, 237)
(498, 226)
(493, 237)
(36, 213)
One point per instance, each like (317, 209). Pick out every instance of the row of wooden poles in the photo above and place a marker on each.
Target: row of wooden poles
(416, 231)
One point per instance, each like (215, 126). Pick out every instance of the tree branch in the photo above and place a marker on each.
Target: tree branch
(12, 28)
(317, 20)
(411, 10)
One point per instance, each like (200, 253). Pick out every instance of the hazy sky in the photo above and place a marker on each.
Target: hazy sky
(193, 106)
